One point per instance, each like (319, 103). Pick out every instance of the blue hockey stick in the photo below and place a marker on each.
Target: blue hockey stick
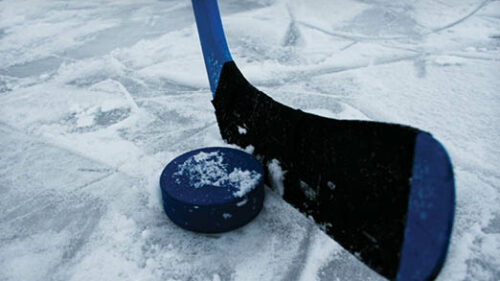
(385, 191)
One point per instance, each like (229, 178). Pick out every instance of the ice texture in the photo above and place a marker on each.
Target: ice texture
(96, 97)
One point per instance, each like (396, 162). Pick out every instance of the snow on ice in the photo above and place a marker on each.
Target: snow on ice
(96, 97)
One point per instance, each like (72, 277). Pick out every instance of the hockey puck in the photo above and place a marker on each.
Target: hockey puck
(214, 189)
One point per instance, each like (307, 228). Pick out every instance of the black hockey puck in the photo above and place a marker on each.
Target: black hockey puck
(214, 189)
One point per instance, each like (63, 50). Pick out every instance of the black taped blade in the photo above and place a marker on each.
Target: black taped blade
(352, 177)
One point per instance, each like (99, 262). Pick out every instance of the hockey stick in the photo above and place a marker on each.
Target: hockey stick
(385, 192)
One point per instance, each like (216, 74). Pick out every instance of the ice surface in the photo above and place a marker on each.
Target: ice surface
(96, 97)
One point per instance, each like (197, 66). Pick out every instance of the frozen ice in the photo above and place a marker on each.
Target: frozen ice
(97, 97)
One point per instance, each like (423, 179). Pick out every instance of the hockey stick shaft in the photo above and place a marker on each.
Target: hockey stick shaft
(213, 42)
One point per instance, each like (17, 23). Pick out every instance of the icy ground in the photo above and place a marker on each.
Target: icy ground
(96, 97)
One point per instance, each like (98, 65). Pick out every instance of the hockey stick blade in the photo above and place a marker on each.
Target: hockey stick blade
(385, 192)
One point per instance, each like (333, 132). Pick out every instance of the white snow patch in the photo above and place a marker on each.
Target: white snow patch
(242, 130)
(202, 156)
(250, 149)
(242, 202)
(277, 175)
(325, 226)
(309, 192)
(203, 169)
(247, 180)
(226, 216)
(209, 169)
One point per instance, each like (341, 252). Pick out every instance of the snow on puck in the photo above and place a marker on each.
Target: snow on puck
(213, 189)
